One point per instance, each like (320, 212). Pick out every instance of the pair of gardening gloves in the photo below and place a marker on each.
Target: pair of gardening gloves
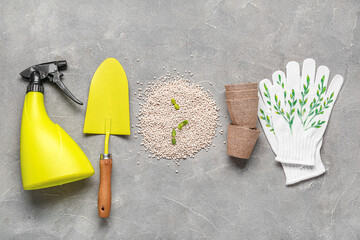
(294, 110)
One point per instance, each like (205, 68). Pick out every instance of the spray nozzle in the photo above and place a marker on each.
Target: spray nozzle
(50, 71)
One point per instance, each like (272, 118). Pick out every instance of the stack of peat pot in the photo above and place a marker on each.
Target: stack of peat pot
(242, 102)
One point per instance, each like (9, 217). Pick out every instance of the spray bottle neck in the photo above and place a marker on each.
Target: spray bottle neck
(35, 84)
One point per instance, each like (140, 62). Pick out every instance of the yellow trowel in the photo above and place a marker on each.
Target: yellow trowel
(107, 113)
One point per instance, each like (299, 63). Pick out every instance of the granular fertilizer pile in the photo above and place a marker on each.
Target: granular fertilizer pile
(158, 118)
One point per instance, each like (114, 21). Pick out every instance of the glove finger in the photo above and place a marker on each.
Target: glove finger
(292, 76)
(263, 108)
(333, 90)
(335, 86)
(308, 74)
(322, 74)
(264, 92)
(264, 119)
(279, 78)
(277, 99)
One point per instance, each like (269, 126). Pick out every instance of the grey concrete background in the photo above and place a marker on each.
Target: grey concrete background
(212, 196)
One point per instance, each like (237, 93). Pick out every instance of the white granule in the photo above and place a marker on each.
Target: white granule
(158, 117)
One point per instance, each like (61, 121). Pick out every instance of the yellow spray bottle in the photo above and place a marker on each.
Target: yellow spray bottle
(48, 155)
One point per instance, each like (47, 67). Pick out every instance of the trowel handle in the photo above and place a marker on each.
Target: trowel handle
(104, 198)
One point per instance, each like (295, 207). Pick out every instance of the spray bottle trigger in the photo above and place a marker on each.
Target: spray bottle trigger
(55, 78)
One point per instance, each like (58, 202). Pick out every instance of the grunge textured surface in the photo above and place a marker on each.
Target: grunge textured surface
(213, 196)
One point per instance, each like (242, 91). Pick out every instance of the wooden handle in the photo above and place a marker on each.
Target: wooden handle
(104, 198)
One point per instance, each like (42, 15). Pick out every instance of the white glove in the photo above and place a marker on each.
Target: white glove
(301, 108)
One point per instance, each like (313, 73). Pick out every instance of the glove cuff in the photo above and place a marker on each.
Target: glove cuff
(296, 150)
(295, 174)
